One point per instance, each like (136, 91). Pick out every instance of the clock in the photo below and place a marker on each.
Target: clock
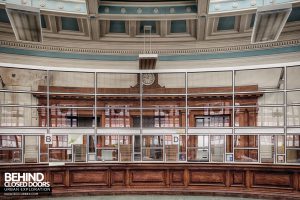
(148, 79)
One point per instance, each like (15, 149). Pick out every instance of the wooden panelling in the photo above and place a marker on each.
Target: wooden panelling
(207, 177)
(177, 177)
(198, 97)
(118, 177)
(237, 178)
(263, 181)
(272, 179)
(2, 178)
(151, 177)
(57, 178)
(89, 177)
(297, 185)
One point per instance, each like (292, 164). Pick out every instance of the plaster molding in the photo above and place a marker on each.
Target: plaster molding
(220, 6)
(59, 6)
(144, 9)
(32, 46)
(147, 4)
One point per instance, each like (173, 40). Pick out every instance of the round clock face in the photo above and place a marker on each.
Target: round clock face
(148, 79)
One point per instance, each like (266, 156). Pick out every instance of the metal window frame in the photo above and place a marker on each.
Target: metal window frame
(144, 131)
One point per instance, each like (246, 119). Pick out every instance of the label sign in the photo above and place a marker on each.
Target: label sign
(175, 139)
(48, 138)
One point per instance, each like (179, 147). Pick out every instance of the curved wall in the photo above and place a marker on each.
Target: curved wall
(239, 114)
(132, 65)
(251, 152)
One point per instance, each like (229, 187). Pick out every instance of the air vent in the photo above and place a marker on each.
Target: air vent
(269, 22)
(26, 22)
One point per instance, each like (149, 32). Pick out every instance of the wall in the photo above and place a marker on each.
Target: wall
(123, 65)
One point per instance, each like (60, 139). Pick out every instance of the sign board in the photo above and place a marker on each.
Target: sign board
(175, 138)
(48, 138)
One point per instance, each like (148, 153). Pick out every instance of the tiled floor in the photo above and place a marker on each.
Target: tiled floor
(146, 197)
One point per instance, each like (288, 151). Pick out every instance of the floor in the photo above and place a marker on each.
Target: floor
(146, 197)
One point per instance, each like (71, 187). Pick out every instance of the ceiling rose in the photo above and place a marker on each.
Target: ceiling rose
(172, 10)
(43, 3)
(60, 6)
(188, 9)
(139, 10)
(123, 10)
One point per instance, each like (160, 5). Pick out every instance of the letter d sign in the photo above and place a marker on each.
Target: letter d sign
(48, 138)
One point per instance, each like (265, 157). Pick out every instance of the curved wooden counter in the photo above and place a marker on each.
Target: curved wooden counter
(258, 181)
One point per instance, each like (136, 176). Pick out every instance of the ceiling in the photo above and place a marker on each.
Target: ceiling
(118, 25)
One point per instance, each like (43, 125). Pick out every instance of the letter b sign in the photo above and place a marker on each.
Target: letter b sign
(48, 138)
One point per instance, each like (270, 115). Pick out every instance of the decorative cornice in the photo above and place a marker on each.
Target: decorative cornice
(147, 3)
(221, 6)
(148, 10)
(60, 6)
(31, 46)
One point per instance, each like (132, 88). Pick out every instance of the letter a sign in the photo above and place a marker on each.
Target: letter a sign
(48, 138)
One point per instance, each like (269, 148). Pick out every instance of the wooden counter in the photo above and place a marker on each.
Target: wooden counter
(258, 181)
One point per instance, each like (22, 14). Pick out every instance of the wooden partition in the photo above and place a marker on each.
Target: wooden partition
(259, 181)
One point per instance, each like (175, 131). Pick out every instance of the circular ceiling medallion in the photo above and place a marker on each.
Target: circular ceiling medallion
(123, 10)
(172, 10)
(139, 10)
(155, 10)
(217, 7)
(148, 79)
(188, 9)
(235, 4)
(43, 3)
(106, 10)
(78, 8)
(24, 1)
(60, 6)
(253, 2)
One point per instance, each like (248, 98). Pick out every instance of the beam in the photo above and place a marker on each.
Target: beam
(93, 22)
(163, 28)
(202, 11)
(94, 28)
(92, 6)
(243, 23)
(53, 24)
(269, 22)
(132, 28)
(25, 22)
